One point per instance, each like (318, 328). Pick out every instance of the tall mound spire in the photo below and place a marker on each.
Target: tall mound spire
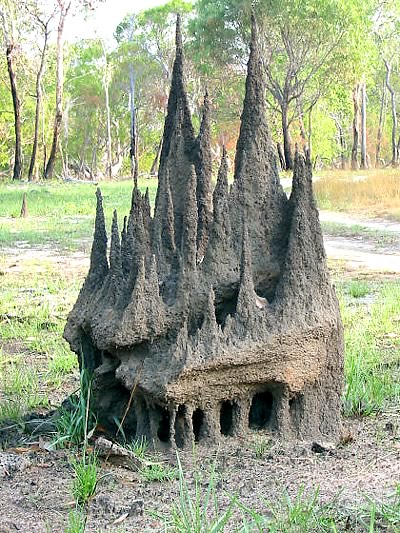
(256, 191)
(181, 149)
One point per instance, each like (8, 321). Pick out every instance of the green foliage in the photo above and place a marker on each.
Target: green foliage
(86, 478)
(315, 51)
(75, 422)
(76, 521)
(191, 514)
(371, 343)
(158, 472)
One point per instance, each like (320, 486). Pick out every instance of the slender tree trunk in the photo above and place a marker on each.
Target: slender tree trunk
(17, 171)
(108, 114)
(44, 147)
(303, 132)
(59, 92)
(38, 107)
(356, 133)
(382, 113)
(364, 156)
(109, 152)
(310, 130)
(133, 152)
(281, 156)
(154, 166)
(287, 148)
(342, 141)
(395, 153)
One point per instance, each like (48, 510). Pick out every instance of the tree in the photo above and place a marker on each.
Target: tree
(387, 33)
(145, 56)
(106, 85)
(43, 22)
(306, 43)
(64, 8)
(8, 14)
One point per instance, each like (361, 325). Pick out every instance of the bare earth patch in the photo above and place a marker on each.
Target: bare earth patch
(38, 499)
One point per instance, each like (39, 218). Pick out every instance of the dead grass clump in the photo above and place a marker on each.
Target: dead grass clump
(375, 192)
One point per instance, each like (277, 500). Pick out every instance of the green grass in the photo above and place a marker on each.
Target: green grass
(381, 238)
(138, 447)
(158, 472)
(260, 446)
(86, 475)
(358, 289)
(20, 390)
(372, 341)
(60, 214)
(197, 513)
(76, 521)
(34, 358)
(76, 422)
(298, 513)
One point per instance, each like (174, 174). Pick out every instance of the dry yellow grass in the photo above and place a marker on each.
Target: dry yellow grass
(372, 192)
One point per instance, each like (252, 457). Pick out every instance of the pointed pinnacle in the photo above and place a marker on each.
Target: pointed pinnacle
(178, 35)
(98, 256)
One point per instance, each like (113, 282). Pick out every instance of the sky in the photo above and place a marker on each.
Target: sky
(105, 18)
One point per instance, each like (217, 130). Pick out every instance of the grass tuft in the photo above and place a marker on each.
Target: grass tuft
(158, 472)
(76, 421)
(260, 446)
(86, 478)
(76, 521)
(139, 447)
(358, 289)
(199, 513)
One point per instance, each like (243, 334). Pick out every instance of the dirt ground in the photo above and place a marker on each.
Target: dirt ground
(36, 496)
(35, 484)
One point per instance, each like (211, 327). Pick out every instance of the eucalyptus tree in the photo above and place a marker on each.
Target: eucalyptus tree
(11, 22)
(42, 21)
(64, 9)
(387, 33)
(85, 122)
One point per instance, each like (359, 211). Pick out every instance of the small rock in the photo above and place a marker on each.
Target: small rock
(325, 448)
(389, 427)
(136, 508)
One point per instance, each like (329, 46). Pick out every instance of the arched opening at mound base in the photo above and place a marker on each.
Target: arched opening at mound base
(180, 427)
(164, 431)
(198, 423)
(226, 415)
(260, 413)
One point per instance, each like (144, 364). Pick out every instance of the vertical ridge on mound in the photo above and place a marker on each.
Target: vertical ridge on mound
(204, 173)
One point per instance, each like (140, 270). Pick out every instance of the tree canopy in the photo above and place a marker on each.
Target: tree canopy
(320, 57)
